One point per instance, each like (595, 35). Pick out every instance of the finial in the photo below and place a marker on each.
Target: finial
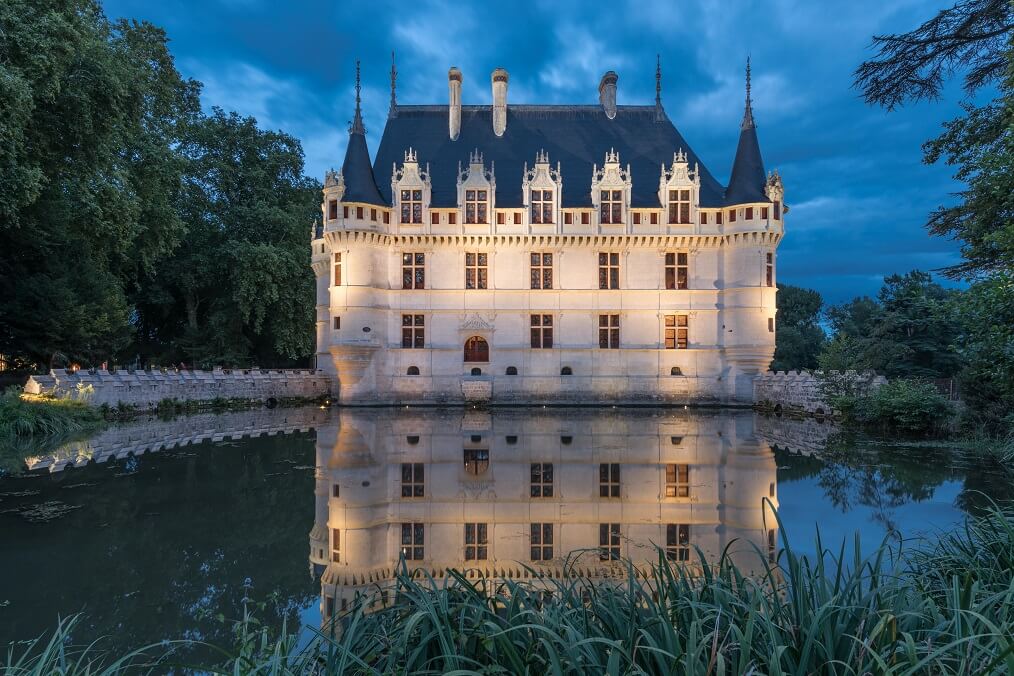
(393, 112)
(357, 122)
(748, 111)
(659, 113)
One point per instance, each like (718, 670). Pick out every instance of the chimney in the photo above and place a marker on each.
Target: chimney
(454, 109)
(500, 78)
(607, 93)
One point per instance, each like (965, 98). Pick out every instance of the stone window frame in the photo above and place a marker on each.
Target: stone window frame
(610, 536)
(677, 541)
(336, 277)
(609, 480)
(541, 488)
(541, 331)
(679, 206)
(542, 204)
(608, 268)
(480, 273)
(474, 206)
(769, 269)
(413, 480)
(542, 540)
(677, 480)
(413, 331)
(478, 548)
(611, 206)
(336, 545)
(675, 283)
(413, 540)
(415, 206)
(609, 331)
(542, 267)
(415, 266)
(671, 329)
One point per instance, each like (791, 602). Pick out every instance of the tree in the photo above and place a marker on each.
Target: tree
(239, 290)
(800, 337)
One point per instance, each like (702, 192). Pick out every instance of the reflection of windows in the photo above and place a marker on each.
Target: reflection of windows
(609, 332)
(542, 331)
(609, 541)
(412, 480)
(677, 332)
(336, 545)
(475, 206)
(413, 541)
(475, 270)
(542, 479)
(677, 271)
(413, 271)
(677, 481)
(542, 541)
(476, 542)
(542, 206)
(411, 206)
(611, 205)
(609, 270)
(476, 460)
(542, 271)
(679, 207)
(413, 331)
(677, 541)
(609, 480)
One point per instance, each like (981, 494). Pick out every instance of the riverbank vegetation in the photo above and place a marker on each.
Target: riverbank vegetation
(25, 415)
(940, 607)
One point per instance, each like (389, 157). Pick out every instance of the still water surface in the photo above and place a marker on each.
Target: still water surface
(159, 529)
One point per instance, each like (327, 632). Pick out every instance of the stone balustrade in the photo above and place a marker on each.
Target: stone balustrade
(145, 389)
(802, 391)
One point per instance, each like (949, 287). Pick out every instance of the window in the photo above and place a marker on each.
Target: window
(332, 209)
(772, 546)
(568, 218)
(542, 271)
(373, 214)
(718, 217)
(542, 331)
(609, 541)
(476, 349)
(749, 213)
(764, 213)
(501, 218)
(542, 479)
(475, 270)
(771, 324)
(337, 323)
(412, 439)
(336, 545)
(677, 541)
(542, 541)
(585, 218)
(413, 483)
(336, 491)
(345, 212)
(411, 206)
(675, 371)
(566, 439)
(413, 541)
(475, 206)
(609, 332)
(359, 213)
(337, 269)
(704, 218)
(413, 271)
(413, 370)
(778, 209)
(677, 332)
(511, 371)
(566, 371)
(413, 331)
(679, 207)
(476, 372)
(637, 218)
(611, 204)
(513, 439)
(609, 270)
(476, 542)
(434, 217)
(769, 269)
(609, 480)
(387, 217)
(732, 215)
(517, 218)
(654, 218)
(542, 206)
(677, 269)
(476, 460)
(675, 441)
(452, 218)
(677, 481)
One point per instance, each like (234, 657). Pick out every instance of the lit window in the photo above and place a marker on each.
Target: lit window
(337, 269)
(542, 479)
(609, 480)
(677, 541)
(475, 206)
(413, 331)
(609, 332)
(677, 481)
(411, 206)
(413, 541)
(609, 541)
(476, 460)
(679, 206)
(475, 270)
(413, 484)
(611, 204)
(413, 271)
(542, 331)
(609, 270)
(769, 272)
(677, 271)
(542, 541)
(476, 542)
(542, 271)
(542, 206)
(677, 332)
(336, 545)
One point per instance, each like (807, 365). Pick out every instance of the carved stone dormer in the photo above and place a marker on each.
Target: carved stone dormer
(410, 190)
(476, 191)
(542, 191)
(679, 191)
(610, 190)
(334, 191)
(773, 187)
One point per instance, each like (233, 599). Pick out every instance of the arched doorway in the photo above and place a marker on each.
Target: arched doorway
(476, 349)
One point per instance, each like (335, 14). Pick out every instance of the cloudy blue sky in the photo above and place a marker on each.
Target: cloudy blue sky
(853, 175)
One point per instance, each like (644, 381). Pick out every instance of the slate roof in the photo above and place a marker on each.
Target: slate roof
(747, 182)
(576, 136)
(360, 185)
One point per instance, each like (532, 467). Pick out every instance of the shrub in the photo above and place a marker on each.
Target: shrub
(36, 415)
(909, 406)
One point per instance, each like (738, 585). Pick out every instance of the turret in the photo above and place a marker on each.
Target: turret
(747, 182)
(357, 170)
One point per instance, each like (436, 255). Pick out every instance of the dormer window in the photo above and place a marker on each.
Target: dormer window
(542, 206)
(679, 207)
(476, 206)
(611, 204)
(411, 206)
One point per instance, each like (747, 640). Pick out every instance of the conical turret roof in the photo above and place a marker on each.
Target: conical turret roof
(746, 184)
(357, 170)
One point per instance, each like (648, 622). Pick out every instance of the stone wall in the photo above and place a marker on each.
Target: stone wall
(801, 392)
(145, 389)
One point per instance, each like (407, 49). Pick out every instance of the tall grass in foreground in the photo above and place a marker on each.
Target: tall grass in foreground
(945, 607)
(24, 415)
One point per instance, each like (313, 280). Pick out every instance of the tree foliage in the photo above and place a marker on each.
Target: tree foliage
(799, 338)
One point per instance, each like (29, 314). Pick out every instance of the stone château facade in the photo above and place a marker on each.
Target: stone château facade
(544, 253)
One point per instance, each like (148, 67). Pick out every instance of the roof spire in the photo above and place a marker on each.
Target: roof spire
(393, 112)
(357, 122)
(659, 113)
(748, 111)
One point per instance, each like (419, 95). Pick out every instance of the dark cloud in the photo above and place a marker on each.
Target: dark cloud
(852, 173)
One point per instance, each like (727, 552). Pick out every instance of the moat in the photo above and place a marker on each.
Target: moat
(159, 529)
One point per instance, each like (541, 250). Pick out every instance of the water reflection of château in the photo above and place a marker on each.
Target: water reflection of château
(497, 492)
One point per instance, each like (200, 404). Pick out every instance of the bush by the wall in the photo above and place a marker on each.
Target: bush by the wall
(901, 405)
